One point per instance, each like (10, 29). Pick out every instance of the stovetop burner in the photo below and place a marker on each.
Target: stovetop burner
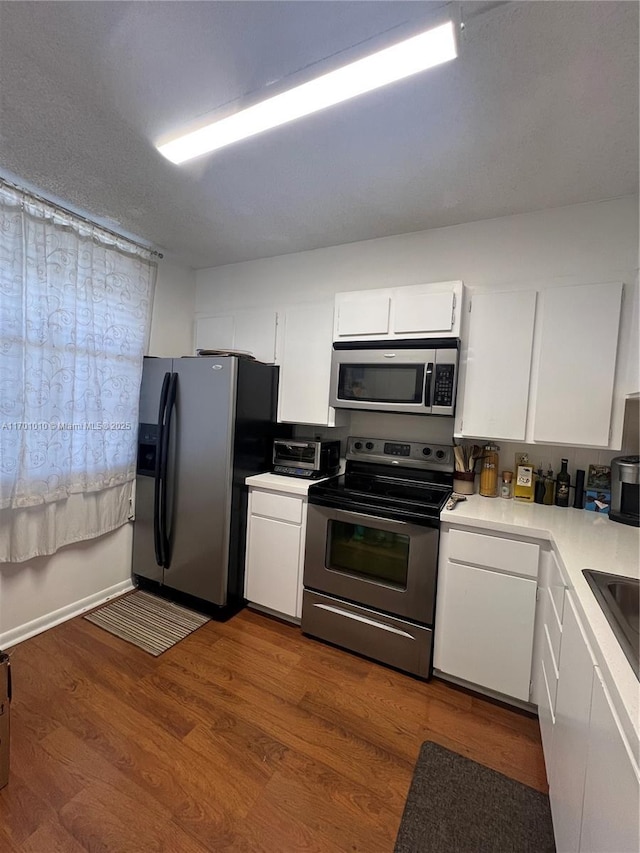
(396, 479)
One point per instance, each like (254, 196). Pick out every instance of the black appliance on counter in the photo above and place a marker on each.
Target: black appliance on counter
(310, 458)
(371, 556)
(625, 490)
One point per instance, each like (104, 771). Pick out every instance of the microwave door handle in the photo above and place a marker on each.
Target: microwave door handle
(428, 383)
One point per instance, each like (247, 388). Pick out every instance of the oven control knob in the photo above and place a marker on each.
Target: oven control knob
(440, 454)
(426, 451)
(358, 445)
(369, 445)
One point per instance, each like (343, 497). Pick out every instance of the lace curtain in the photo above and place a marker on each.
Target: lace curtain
(75, 309)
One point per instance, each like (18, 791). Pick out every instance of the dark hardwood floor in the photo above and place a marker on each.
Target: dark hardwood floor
(246, 736)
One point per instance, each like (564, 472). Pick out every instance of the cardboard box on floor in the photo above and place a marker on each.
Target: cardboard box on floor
(5, 699)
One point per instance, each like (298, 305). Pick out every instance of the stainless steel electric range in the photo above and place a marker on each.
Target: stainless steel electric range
(372, 551)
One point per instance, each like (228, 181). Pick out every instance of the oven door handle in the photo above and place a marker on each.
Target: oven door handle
(345, 512)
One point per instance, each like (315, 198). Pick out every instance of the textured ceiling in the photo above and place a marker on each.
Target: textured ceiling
(540, 110)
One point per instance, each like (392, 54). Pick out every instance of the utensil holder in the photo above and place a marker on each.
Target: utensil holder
(464, 482)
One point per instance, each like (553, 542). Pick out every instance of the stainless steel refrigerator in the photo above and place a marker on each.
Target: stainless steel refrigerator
(206, 423)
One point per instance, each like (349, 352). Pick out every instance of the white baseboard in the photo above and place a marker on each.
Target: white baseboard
(43, 623)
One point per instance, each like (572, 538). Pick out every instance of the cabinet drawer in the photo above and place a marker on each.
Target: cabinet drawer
(556, 586)
(547, 717)
(550, 667)
(281, 507)
(508, 555)
(553, 629)
(368, 632)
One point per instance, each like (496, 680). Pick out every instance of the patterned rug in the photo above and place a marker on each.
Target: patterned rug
(458, 806)
(149, 622)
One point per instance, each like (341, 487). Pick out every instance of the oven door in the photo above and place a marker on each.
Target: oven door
(377, 562)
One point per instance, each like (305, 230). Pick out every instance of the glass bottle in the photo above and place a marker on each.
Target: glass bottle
(523, 486)
(563, 481)
(507, 485)
(549, 491)
(540, 488)
(489, 472)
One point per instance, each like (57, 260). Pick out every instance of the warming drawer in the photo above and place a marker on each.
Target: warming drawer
(386, 638)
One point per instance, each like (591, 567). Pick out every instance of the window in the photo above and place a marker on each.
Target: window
(74, 320)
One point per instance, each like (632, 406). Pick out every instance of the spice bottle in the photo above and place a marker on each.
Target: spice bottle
(507, 484)
(489, 472)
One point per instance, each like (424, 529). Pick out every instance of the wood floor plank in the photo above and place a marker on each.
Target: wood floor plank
(51, 838)
(103, 823)
(245, 737)
(344, 750)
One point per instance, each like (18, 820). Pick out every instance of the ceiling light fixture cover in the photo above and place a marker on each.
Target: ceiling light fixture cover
(408, 57)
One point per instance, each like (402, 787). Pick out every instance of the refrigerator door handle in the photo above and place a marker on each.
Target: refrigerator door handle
(164, 454)
(158, 540)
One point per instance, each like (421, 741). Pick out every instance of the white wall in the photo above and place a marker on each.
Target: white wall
(173, 308)
(569, 245)
(42, 592)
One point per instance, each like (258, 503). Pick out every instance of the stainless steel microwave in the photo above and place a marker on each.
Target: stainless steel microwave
(416, 377)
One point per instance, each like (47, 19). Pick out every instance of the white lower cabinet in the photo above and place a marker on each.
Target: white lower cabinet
(611, 808)
(546, 664)
(566, 760)
(594, 781)
(275, 551)
(485, 613)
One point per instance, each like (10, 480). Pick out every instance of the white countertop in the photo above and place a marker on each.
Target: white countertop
(581, 540)
(280, 483)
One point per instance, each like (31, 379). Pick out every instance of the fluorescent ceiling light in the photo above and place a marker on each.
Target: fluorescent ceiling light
(408, 57)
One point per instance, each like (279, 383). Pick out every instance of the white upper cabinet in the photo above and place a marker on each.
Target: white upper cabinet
(577, 364)
(541, 367)
(415, 311)
(419, 311)
(305, 366)
(362, 314)
(498, 369)
(251, 331)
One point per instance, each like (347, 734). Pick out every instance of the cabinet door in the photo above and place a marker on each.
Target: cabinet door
(273, 564)
(215, 332)
(484, 628)
(611, 814)
(577, 364)
(567, 761)
(249, 331)
(498, 369)
(305, 365)
(422, 313)
(362, 314)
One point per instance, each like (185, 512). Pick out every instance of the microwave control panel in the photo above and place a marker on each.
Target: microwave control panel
(443, 387)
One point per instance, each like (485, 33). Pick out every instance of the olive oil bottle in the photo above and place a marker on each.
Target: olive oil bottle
(563, 482)
(523, 487)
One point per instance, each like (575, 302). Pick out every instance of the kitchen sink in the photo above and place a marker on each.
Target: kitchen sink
(619, 598)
